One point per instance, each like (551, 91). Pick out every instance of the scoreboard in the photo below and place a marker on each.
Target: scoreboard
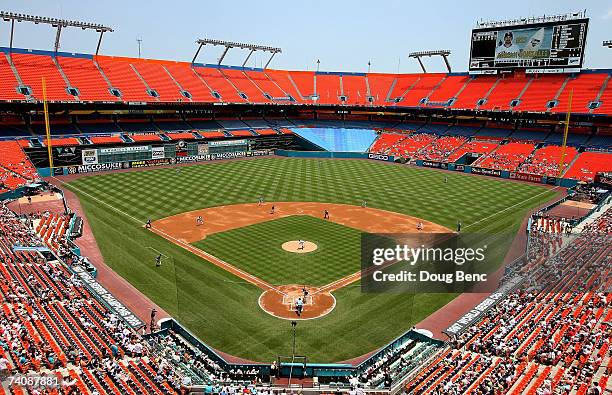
(552, 46)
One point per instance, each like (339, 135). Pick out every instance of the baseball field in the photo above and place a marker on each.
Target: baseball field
(213, 274)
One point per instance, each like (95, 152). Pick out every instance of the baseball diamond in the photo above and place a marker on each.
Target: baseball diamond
(246, 237)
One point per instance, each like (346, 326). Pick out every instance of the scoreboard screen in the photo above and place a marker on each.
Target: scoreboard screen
(549, 45)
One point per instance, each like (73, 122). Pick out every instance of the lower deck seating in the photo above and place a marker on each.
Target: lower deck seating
(506, 157)
(547, 339)
(386, 141)
(15, 168)
(49, 321)
(588, 164)
(409, 146)
(546, 160)
(473, 147)
(441, 148)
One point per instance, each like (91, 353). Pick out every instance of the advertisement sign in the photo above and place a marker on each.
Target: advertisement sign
(191, 158)
(261, 152)
(93, 168)
(486, 172)
(108, 298)
(225, 143)
(525, 177)
(459, 167)
(429, 163)
(67, 153)
(221, 156)
(158, 153)
(227, 155)
(89, 156)
(149, 163)
(378, 157)
(202, 149)
(122, 150)
(474, 315)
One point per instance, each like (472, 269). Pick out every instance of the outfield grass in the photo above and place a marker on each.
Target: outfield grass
(257, 250)
(220, 308)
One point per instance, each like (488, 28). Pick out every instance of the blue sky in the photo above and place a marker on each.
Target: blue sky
(344, 35)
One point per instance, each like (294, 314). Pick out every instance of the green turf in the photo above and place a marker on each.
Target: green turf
(257, 250)
(220, 308)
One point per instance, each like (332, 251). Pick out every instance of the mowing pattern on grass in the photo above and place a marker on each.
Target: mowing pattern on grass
(257, 250)
(221, 309)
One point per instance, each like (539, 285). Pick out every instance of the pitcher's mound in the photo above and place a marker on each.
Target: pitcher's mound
(294, 246)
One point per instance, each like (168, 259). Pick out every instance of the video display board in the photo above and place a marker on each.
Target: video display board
(547, 45)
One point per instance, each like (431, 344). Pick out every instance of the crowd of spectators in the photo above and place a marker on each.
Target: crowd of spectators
(552, 336)
(506, 157)
(16, 169)
(50, 322)
(441, 148)
(546, 160)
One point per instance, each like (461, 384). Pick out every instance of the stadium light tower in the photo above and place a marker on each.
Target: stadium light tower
(54, 22)
(607, 43)
(229, 44)
(443, 52)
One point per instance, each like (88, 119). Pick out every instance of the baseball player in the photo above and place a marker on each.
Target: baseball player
(326, 214)
(301, 244)
(299, 306)
(199, 220)
(158, 260)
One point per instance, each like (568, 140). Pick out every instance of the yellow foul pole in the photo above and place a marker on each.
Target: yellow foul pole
(47, 127)
(567, 119)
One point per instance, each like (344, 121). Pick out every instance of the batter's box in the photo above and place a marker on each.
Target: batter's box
(291, 299)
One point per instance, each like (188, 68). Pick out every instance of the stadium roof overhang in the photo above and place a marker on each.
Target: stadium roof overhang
(230, 44)
(59, 24)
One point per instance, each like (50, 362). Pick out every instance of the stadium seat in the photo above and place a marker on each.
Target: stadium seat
(157, 78)
(585, 88)
(506, 157)
(33, 68)
(588, 164)
(85, 76)
(122, 76)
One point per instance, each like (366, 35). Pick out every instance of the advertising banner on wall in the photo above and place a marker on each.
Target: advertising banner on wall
(226, 143)
(478, 311)
(108, 298)
(96, 167)
(89, 157)
(486, 172)
(149, 163)
(378, 157)
(525, 177)
(203, 149)
(158, 153)
(123, 150)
